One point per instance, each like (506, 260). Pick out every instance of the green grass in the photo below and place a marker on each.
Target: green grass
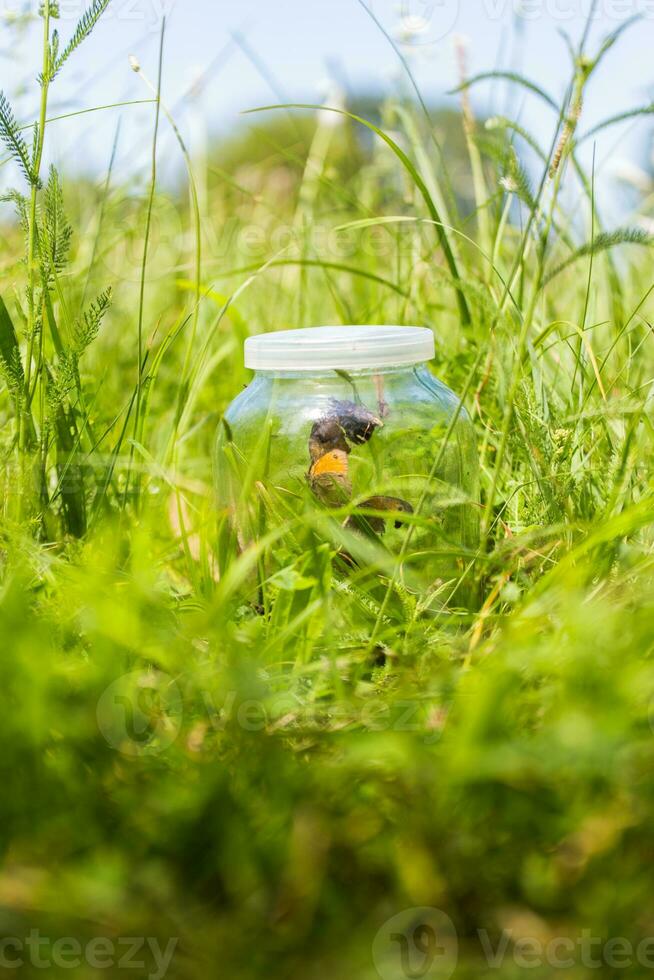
(271, 789)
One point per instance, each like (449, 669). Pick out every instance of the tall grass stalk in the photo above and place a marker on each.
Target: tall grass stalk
(144, 270)
(33, 269)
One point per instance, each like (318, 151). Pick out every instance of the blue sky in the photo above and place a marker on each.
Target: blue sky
(294, 47)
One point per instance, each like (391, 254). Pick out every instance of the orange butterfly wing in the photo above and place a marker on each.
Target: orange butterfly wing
(331, 464)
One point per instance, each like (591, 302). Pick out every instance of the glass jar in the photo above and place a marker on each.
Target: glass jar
(344, 439)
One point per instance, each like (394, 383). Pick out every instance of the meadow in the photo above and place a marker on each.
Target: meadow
(268, 791)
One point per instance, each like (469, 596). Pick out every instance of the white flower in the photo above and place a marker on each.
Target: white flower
(413, 25)
(334, 99)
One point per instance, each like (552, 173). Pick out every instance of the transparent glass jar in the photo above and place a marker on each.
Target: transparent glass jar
(345, 438)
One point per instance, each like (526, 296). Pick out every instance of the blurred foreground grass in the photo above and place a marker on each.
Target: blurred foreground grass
(264, 789)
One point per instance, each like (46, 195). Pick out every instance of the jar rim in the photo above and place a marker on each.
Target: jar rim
(339, 348)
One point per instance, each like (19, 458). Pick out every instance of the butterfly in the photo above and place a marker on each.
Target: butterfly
(329, 474)
(345, 423)
(330, 481)
(329, 478)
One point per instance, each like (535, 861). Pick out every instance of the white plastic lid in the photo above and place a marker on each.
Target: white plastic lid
(341, 348)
